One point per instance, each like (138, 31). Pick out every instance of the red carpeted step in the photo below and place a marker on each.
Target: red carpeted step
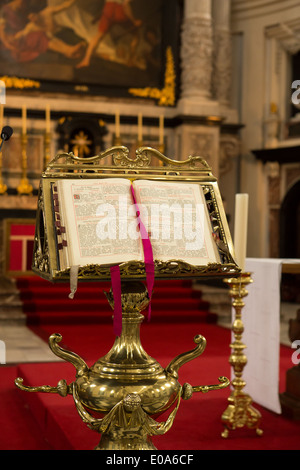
(61, 317)
(88, 292)
(19, 427)
(86, 305)
(49, 303)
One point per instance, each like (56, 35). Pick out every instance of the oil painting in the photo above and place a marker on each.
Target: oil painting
(86, 43)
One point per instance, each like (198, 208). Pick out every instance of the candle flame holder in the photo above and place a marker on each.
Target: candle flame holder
(240, 412)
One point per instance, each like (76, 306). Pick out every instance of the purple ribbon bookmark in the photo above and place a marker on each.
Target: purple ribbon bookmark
(148, 253)
(116, 277)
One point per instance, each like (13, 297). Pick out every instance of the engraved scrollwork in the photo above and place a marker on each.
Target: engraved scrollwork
(121, 159)
(181, 267)
(141, 160)
(191, 162)
(163, 269)
(40, 259)
(135, 301)
(116, 152)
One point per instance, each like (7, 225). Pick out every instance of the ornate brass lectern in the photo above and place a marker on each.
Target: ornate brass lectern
(122, 395)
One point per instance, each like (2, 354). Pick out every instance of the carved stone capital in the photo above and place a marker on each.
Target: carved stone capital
(287, 34)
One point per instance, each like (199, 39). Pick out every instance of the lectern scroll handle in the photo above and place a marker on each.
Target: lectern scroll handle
(68, 356)
(188, 390)
(62, 388)
(181, 359)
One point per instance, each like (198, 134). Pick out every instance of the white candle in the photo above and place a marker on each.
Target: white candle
(24, 118)
(48, 119)
(240, 228)
(117, 123)
(161, 130)
(140, 126)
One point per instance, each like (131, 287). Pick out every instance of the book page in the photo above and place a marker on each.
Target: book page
(97, 216)
(177, 220)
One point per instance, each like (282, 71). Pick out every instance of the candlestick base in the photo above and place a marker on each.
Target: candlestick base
(3, 187)
(117, 140)
(24, 187)
(240, 412)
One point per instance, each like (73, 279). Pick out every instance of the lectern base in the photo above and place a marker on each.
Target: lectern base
(124, 392)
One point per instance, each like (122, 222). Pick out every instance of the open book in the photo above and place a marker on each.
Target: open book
(96, 222)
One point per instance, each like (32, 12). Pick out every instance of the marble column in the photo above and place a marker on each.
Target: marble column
(197, 53)
(199, 130)
(222, 60)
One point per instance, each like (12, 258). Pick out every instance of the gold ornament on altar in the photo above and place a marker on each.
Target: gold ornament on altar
(166, 95)
(19, 83)
(81, 144)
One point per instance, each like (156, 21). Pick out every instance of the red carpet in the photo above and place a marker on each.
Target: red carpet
(47, 421)
(47, 303)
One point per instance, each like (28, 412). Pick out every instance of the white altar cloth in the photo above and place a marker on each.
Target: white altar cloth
(261, 318)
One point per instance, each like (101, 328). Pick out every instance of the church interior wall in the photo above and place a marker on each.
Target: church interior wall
(264, 98)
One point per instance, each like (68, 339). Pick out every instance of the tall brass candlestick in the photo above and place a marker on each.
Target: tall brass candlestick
(117, 136)
(47, 140)
(140, 130)
(240, 411)
(24, 185)
(3, 187)
(161, 146)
